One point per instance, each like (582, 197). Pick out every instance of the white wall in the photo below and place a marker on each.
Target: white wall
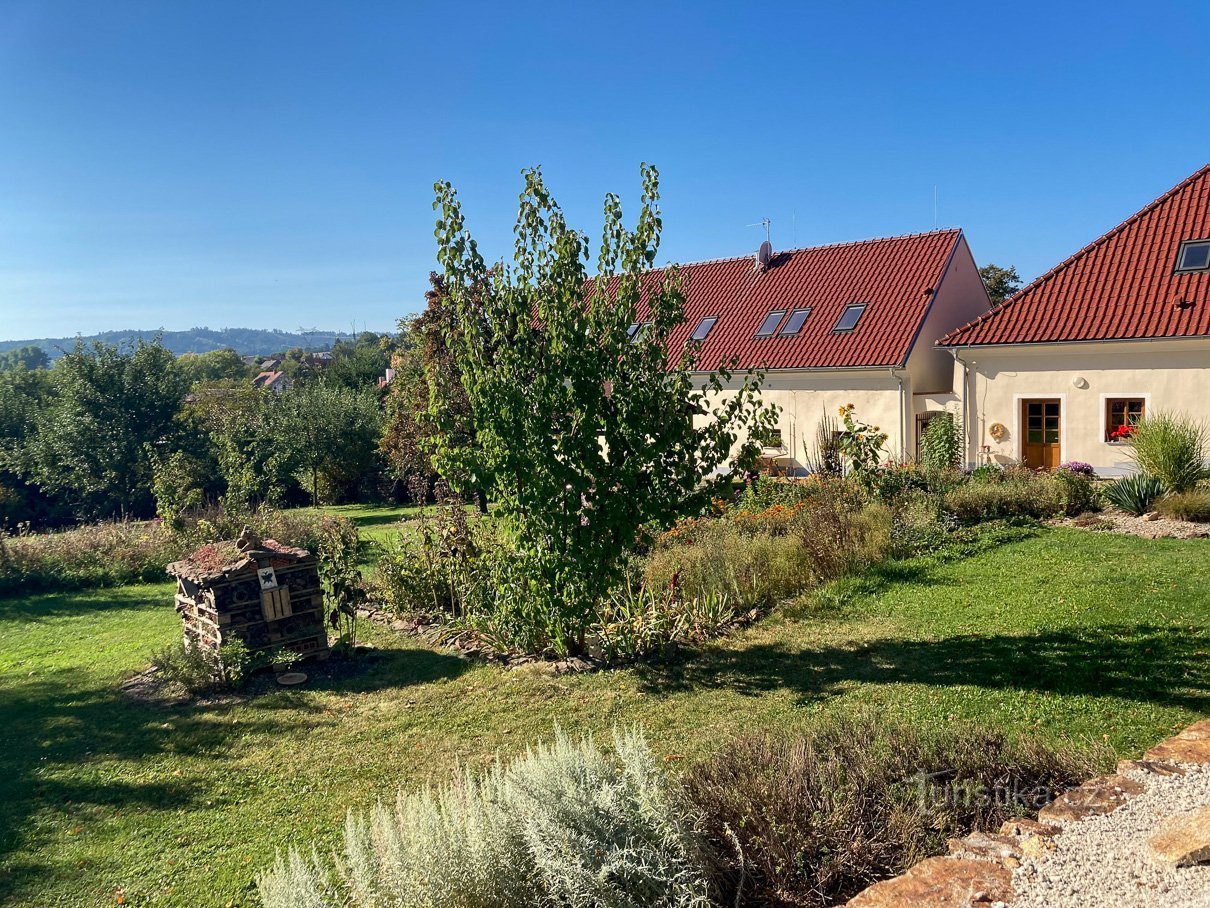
(1169, 374)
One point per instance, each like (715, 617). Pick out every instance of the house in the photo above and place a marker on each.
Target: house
(1063, 369)
(273, 381)
(852, 323)
(272, 364)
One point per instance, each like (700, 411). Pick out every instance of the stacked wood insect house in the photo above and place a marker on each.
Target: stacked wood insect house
(261, 592)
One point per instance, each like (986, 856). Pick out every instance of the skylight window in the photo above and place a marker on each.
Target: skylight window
(849, 318)
(795, 322)
(769, 325)
(637, 329)
(1194, 256)
(703, 328)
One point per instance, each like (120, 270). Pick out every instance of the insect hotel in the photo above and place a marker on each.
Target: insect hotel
(261, 592)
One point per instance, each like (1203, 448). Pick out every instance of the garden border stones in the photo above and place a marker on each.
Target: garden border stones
(979, 869)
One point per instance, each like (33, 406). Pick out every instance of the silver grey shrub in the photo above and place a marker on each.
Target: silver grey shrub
(565, 824)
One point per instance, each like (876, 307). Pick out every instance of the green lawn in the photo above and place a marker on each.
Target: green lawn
(1073, 634)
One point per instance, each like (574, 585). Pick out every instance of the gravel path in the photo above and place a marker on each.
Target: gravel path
(1105, 861)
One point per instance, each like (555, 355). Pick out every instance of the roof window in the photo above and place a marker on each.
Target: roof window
(795, 322)
(849, 318)
(703, 328)
(635, 330)
(1194, 256)
(769, 325)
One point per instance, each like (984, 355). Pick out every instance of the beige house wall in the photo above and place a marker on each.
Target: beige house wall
(804, 397)
(960, 298)
(1169, 375)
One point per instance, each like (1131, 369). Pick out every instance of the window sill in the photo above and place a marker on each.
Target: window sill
(1119, 444)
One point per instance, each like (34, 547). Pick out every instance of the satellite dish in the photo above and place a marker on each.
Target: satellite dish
(764, 255)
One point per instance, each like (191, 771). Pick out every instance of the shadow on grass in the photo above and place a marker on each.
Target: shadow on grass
(70, 747)
(42, 606)
(1146, 663)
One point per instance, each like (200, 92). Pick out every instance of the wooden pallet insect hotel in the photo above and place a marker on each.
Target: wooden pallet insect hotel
(261, 592)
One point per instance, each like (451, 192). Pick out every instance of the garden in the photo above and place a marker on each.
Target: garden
(587, 665)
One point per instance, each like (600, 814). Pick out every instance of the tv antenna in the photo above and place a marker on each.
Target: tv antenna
(766, 223)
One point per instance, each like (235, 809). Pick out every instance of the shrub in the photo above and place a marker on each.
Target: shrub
(754, 570)
(1075, 488)
(941, 443)
(638, 620)
(812, 820)
(1134, 494)
(1078, 466)
(1012, 494)
(103, 554)
(918, 525)
(1194, 505)
(110, 554)
(840, 534)
(564, 825)
(988, 472)
(1172, 448)
(197, 671)
(765, 492)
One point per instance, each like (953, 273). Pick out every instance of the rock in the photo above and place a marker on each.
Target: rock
(941, 883)
(986, 845)
(1151, 767)
(1026, 827)
(1152, 516)
(1183, 840)
(1035, 846)
(1096, 796)
(1190, 746)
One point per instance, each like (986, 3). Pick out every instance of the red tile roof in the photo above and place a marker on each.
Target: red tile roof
(1121, 286)
(894, 276)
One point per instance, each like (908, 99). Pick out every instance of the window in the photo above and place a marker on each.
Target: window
(770, 438)
(703, 328)
(848, 318)
(1194, 256)
(1122, 414)
(769, 325)
(795, 322)
(635, 330)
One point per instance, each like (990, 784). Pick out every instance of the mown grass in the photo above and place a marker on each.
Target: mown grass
(1072, 634)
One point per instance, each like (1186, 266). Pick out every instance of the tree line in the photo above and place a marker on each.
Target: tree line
(112, 431)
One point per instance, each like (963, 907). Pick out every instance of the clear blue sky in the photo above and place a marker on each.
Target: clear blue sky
(175, 163)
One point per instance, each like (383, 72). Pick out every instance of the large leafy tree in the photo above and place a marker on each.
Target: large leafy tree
(1001, 283)
(426, 380)
(583, 433)
(111, 404)
(29, 356)
(244, 427)
(333, 433)
(213, 365)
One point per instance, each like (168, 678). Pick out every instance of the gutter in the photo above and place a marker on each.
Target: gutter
(962, 405)
(902, 422)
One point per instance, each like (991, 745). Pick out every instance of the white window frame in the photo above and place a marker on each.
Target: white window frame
(1107, 397)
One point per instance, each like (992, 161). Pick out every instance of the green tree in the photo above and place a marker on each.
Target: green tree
(426, 380)
(244, 426)
(214, 365)
(582, 433)
(29, 357)
(24, 394)
(91, 442)
(1001, 283)
(360, 364)
(333, 433)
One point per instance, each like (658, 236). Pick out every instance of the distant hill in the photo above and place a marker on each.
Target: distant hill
(244, 341)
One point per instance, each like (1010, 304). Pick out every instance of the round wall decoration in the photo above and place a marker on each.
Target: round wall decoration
(997, 431)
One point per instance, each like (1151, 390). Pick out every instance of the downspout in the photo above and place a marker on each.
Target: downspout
(962, 409)
(902, 426)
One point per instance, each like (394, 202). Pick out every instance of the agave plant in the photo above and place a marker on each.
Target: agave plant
(1134, 494)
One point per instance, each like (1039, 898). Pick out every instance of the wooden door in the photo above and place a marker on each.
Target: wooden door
(1041, 421)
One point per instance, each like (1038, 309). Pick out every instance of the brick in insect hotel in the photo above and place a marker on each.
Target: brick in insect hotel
(261, 592)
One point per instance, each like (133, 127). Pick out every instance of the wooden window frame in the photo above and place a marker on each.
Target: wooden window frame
(1107, 401)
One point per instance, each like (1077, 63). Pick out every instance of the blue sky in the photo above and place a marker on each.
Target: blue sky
(259, 164)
